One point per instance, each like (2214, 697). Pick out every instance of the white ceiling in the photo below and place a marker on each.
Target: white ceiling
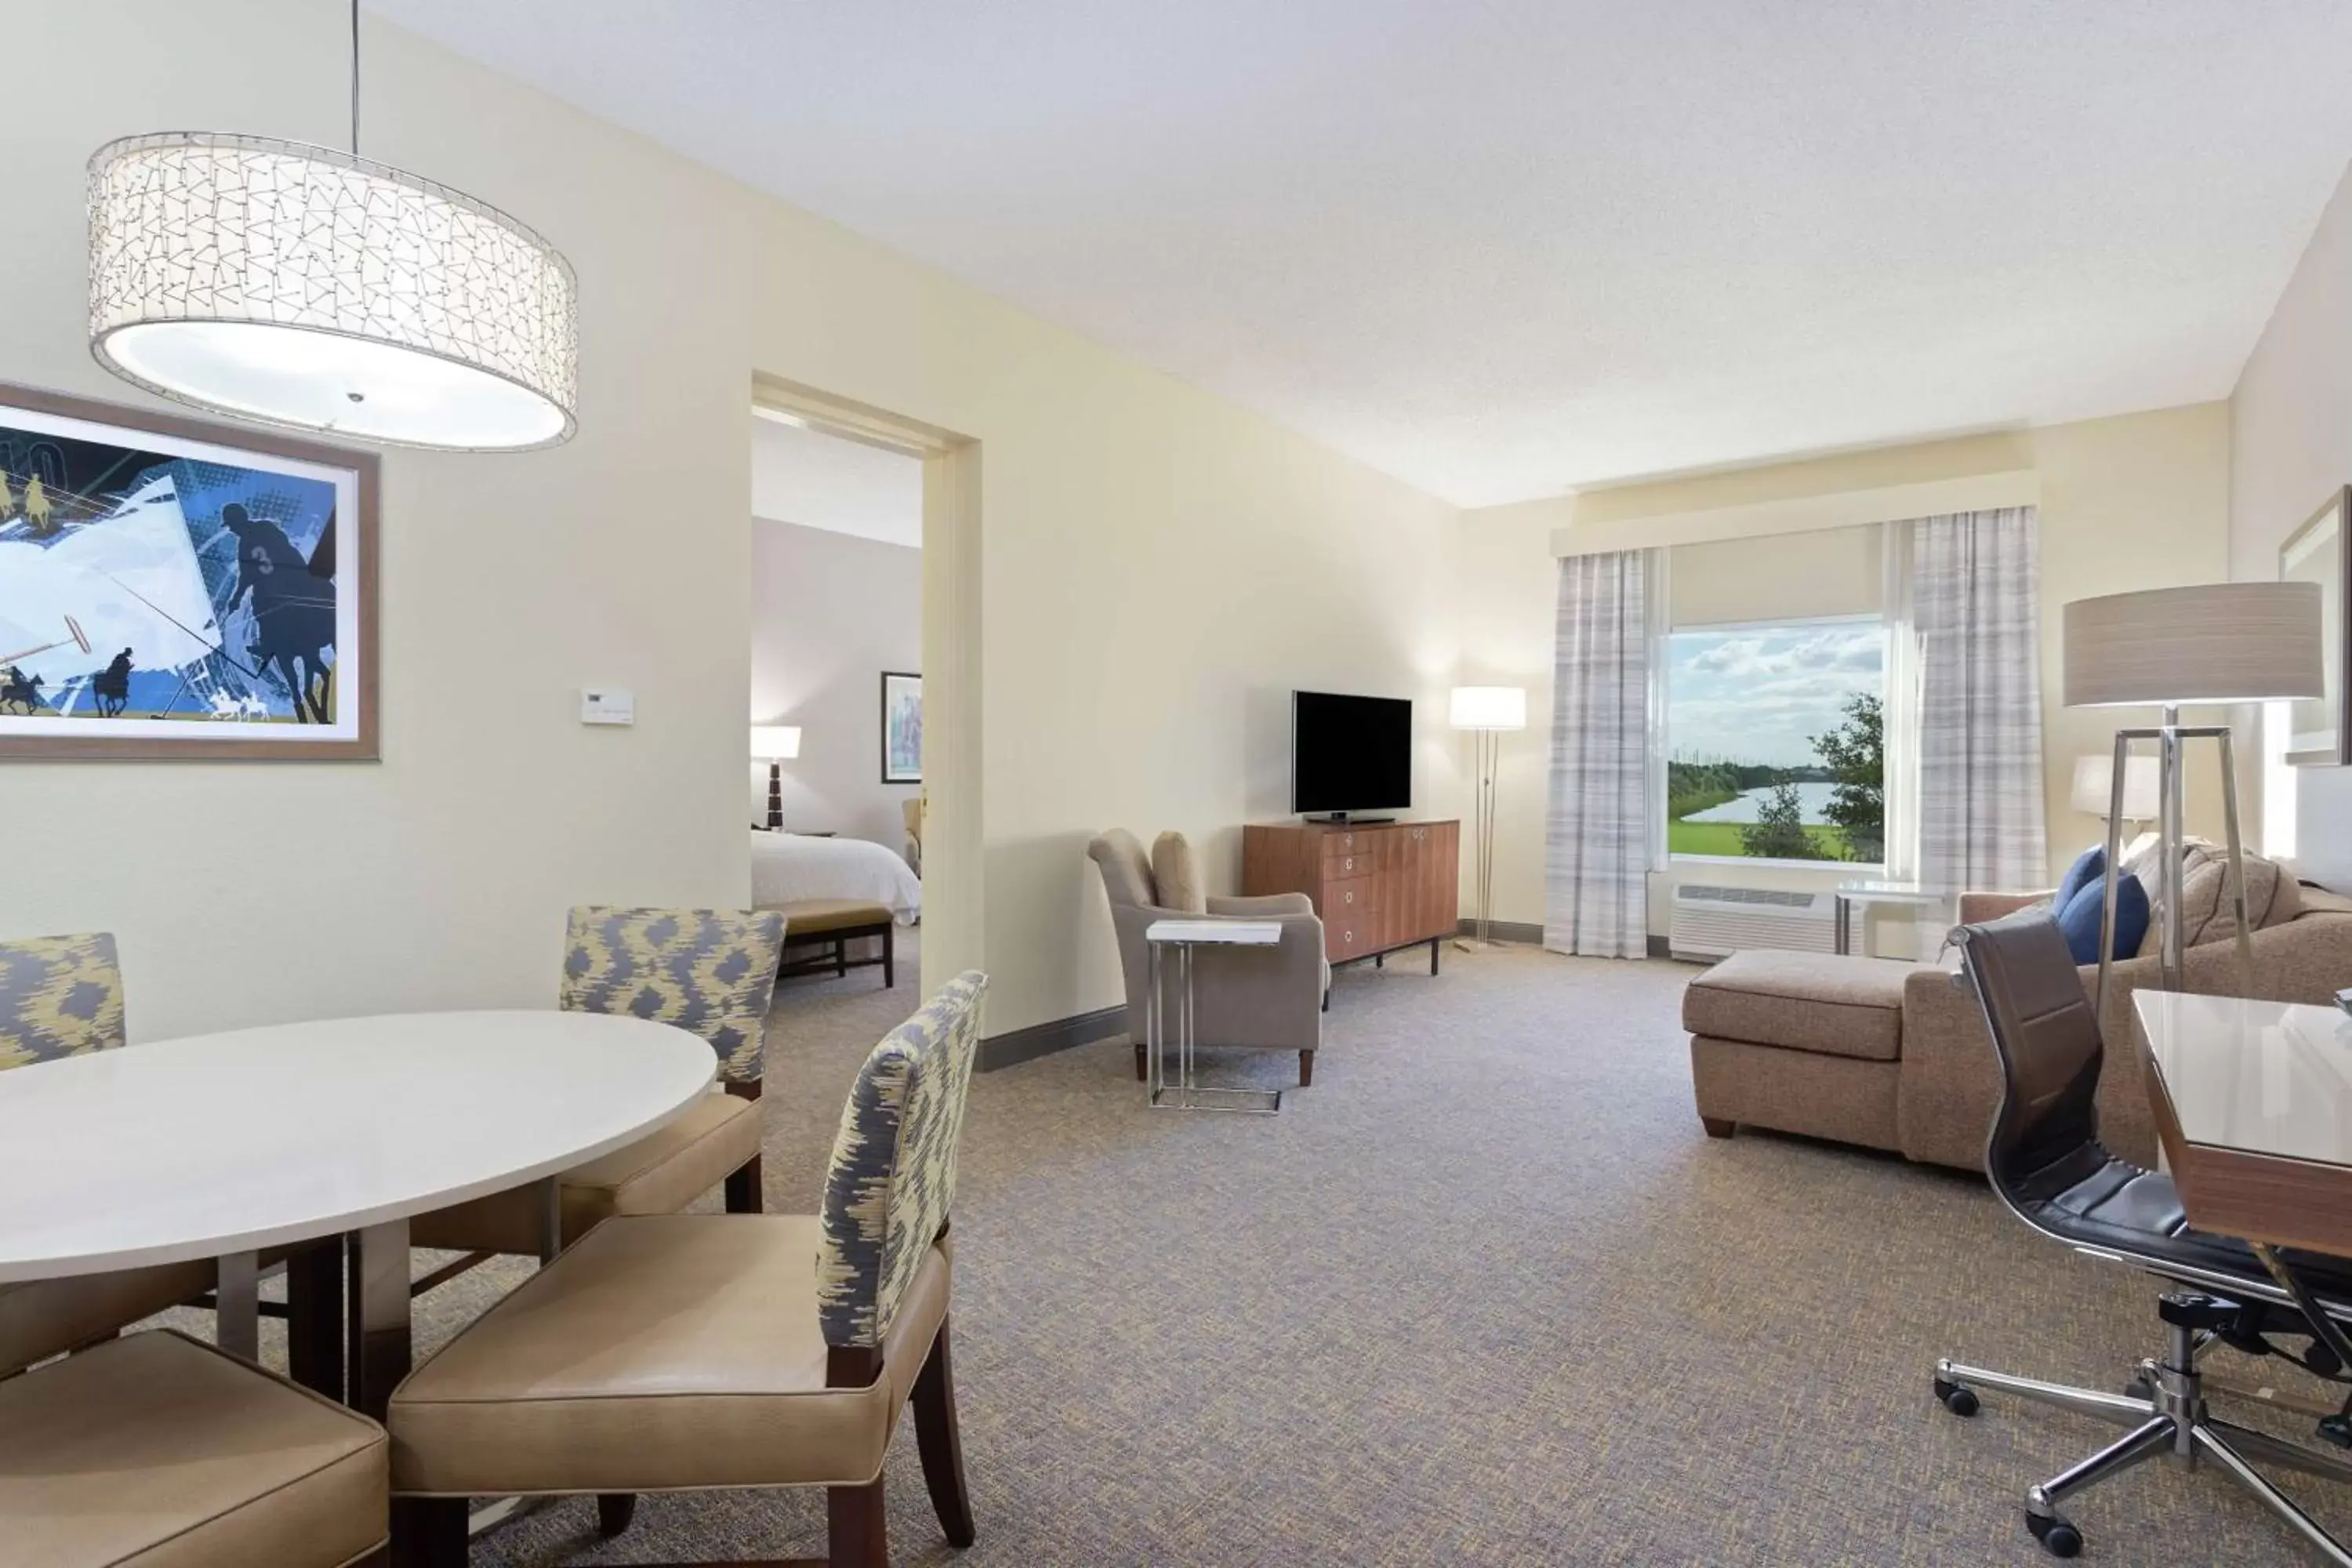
(1503, 248)
(844, 487)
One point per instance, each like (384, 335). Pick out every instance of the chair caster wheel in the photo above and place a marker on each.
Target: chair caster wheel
(1959, 1401)
(2058, 1538)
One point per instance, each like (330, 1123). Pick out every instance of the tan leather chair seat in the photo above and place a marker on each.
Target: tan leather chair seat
(38, 1317)
(659, 1173)
(665, 1350)
(158, 1451)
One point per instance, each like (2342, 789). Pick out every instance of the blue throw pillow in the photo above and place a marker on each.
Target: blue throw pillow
(2089, 869)
(2078, 919)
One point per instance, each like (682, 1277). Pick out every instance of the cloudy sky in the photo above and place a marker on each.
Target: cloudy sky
(1754, 696)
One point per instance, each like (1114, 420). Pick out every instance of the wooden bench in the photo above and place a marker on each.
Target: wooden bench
(837, 923)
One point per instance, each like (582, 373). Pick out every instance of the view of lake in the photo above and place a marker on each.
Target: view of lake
(1812, 799)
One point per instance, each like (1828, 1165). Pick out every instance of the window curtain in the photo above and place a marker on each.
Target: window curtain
(1976, 605)
(1596, 829)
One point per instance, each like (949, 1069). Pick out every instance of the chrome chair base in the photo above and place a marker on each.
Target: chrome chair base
(2173, 1419)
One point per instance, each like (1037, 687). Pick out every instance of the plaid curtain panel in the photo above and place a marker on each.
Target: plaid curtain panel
(1596, 839)
(1977, 604)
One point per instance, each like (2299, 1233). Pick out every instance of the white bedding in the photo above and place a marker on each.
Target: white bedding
(787, 867)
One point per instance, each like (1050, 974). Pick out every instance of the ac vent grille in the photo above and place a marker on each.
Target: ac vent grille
(1781, 897)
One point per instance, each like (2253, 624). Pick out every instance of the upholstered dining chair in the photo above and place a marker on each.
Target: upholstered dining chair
(62, 996)
(710, 972)
(692, 1352)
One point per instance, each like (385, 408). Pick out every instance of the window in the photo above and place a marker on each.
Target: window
(1775, 741)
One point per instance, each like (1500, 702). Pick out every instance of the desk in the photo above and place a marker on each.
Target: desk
(2253, 1102)
(1179, 938)
(222, 1145)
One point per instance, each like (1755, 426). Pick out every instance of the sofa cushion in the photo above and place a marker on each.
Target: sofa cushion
(2080, 916)
(1834, 1004)
(2089, 867)
(2208, 913)
(1176, 871)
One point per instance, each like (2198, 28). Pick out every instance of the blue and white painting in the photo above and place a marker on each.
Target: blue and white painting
(160, 588)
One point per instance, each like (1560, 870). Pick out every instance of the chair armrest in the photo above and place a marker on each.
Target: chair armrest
(1266, 905)
(1976, 909)
(1265, 998)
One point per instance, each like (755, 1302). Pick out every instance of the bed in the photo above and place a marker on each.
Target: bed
(791, 867)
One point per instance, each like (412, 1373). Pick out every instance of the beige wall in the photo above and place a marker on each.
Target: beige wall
(2291, 421)
(2135, 501)
(1158, 571)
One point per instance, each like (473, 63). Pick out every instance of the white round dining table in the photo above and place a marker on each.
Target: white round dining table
(226, 1145)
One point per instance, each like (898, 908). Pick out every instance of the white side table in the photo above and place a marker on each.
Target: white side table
(1172, 942)
(1872, 890)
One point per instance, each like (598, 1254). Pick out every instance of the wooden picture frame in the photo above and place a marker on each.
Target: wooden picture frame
(231, 571)
(902, 726)
(2319, 729)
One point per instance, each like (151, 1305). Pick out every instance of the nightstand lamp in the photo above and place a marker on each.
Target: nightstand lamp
(2094, 788)
(775, 745)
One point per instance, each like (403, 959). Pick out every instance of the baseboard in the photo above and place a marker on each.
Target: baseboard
(1506, 930)
(1017, 1046)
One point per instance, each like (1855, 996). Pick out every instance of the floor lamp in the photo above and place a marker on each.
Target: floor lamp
(1486, 711)
(775, 745)
(2165, 648)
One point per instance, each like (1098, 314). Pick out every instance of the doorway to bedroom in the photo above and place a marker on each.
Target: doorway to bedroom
(836, 691)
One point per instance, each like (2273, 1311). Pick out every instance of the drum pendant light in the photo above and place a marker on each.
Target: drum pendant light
(302, 286)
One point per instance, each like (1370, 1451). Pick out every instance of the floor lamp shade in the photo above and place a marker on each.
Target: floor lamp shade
(776, 743)
(2222, 642)
(1489, 708)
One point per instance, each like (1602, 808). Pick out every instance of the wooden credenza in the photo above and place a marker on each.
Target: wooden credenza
(1377, 888)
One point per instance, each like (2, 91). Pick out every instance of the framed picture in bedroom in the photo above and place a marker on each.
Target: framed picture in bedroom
(902, 726)
(176, 590)
(2319, 729)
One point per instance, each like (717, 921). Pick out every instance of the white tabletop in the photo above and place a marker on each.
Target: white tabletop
(224, 1143)
(1231, 933)
(2268, 1077)
(1880, 890)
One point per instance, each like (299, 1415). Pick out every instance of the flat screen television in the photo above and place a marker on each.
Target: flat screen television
(1349, 754)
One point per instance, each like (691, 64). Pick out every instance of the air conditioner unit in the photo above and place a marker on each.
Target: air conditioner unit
(1711, 922)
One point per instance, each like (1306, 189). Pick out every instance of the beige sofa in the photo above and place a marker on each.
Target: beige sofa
(1893, 1055)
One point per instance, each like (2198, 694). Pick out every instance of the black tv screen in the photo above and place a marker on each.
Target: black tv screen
(1349, 754)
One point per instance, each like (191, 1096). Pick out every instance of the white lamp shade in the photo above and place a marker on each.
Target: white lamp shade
(1489, 708)
(305, 287)
(2220, 642)
(776, 743)
(2093, 779)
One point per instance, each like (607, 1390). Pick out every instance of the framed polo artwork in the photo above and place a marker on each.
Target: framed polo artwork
(171, 588)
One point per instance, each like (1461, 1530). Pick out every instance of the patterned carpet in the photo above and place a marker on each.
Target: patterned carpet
(1483, 1295)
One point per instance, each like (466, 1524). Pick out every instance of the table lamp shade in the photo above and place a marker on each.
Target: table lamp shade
(2094, 786)
(2220, 642)
(1489, 708)
(776, 743)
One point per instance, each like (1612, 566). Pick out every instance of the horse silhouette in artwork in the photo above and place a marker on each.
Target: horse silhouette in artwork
(112, 687)
(21, 690)
(293, 607)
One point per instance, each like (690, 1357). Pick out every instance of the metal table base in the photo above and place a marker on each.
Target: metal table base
(1187, 1093)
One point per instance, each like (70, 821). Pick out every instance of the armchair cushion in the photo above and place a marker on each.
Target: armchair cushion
(1176, 871)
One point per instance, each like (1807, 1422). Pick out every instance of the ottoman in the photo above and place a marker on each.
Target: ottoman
(1799, 1042)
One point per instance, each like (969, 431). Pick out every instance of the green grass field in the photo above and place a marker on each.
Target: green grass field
(1723, 838)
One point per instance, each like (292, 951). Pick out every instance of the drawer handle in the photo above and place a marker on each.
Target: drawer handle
(1347, 936)
(1348, 864)
(1352, 898)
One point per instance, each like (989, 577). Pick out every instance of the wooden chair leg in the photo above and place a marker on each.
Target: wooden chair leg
(743, 1190)
(1718, 1126)
(429, 1533)
(1306, 1069)
(856, 1532)
(841, 958)
(939, 1440)
(1142, 1066)
(614, 1512)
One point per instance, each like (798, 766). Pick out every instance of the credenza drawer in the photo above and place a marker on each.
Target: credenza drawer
(1357, 863)
(1350, 896)
(1349, 939)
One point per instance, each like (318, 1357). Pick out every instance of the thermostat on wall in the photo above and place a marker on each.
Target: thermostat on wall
(607, 705)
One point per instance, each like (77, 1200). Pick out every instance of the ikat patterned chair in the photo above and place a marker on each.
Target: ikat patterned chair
(692, 1352)
(710, 972)
(62, 996)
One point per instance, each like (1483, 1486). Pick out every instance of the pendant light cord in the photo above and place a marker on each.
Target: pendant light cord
(355, 77)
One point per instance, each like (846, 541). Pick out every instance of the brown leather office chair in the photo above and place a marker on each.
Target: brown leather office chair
(710, 972)
(2045, 1160)
(691, 1351)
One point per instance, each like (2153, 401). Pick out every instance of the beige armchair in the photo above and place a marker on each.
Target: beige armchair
(1256, 999)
